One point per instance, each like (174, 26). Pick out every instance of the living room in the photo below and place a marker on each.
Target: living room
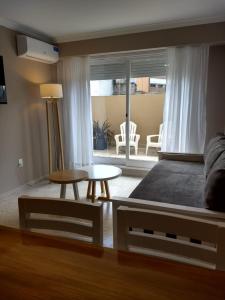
(150, 175)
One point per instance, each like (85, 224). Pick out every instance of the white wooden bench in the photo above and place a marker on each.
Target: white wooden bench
(199, 227)
(81, 219)
(208, 252)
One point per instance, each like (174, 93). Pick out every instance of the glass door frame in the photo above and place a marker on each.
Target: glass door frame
(127, 162)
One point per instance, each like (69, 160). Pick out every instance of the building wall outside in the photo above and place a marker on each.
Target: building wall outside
(146, 112)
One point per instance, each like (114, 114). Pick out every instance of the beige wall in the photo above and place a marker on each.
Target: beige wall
(22, 120)
(208, 33)
(216, 92)
(146, 112)
(99, 109)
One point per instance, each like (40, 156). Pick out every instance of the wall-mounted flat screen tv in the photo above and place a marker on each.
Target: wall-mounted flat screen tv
(3, 99)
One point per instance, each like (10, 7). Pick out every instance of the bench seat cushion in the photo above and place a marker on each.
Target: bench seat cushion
(174, 182)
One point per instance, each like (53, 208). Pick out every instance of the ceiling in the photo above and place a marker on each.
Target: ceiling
(67, 20)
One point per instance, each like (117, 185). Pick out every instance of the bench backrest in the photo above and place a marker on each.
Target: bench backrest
(169, 235)
(78, 218)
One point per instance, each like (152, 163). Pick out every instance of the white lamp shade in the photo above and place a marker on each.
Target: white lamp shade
(51, 91)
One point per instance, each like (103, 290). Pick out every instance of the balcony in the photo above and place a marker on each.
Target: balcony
(109, 110)
(111, 153)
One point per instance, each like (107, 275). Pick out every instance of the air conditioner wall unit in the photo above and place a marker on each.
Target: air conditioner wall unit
(33, 49)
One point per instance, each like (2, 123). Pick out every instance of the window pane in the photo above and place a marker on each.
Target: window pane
(109, 110)
(146, 108)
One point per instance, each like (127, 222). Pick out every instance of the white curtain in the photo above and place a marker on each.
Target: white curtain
(73, 73)
(185, 100)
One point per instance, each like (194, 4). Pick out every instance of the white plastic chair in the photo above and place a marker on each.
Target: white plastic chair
(133, 137)
(156, 144)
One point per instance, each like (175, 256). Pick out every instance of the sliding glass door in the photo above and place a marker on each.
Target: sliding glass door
(127, 102)
(147, 93)
(108, 93)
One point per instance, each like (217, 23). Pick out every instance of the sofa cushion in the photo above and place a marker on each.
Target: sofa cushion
(178, 167)
(213, 151)
(215, 185)
(174, 182)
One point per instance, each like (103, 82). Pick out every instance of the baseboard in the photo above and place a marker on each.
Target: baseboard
(22, 187)
(35, 181)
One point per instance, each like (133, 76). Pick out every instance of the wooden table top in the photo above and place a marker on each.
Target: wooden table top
(35, 266)
(68, 176)
(102, 172)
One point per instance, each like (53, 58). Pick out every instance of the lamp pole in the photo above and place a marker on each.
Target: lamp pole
(60, 136)
(49, 140)
(52, 93)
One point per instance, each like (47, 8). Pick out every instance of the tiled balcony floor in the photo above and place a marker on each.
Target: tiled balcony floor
(111, 153)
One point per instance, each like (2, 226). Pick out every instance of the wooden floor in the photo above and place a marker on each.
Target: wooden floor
(36, 267)
(121, 186)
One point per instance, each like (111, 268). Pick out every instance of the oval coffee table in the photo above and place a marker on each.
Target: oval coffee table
(101, 173)
(68, 176)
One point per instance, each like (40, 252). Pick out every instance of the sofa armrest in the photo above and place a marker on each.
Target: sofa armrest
(191, 157)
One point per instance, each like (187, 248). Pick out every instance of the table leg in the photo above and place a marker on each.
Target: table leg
(102, 188)
(107, 190)
(63, 191)
(76, 192)
(93, 193)
(89, 189)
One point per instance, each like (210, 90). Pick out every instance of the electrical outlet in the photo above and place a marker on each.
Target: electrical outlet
(20, 163)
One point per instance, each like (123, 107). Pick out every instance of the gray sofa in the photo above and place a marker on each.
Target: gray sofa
(190, 180)
(174, 182)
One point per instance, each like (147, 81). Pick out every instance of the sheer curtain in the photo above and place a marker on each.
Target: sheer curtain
(73, 73)
(185, 100)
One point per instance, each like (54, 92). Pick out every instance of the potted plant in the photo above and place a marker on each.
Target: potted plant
(102, 135)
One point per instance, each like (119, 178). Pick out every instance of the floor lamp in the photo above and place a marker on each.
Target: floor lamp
(52, 92)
